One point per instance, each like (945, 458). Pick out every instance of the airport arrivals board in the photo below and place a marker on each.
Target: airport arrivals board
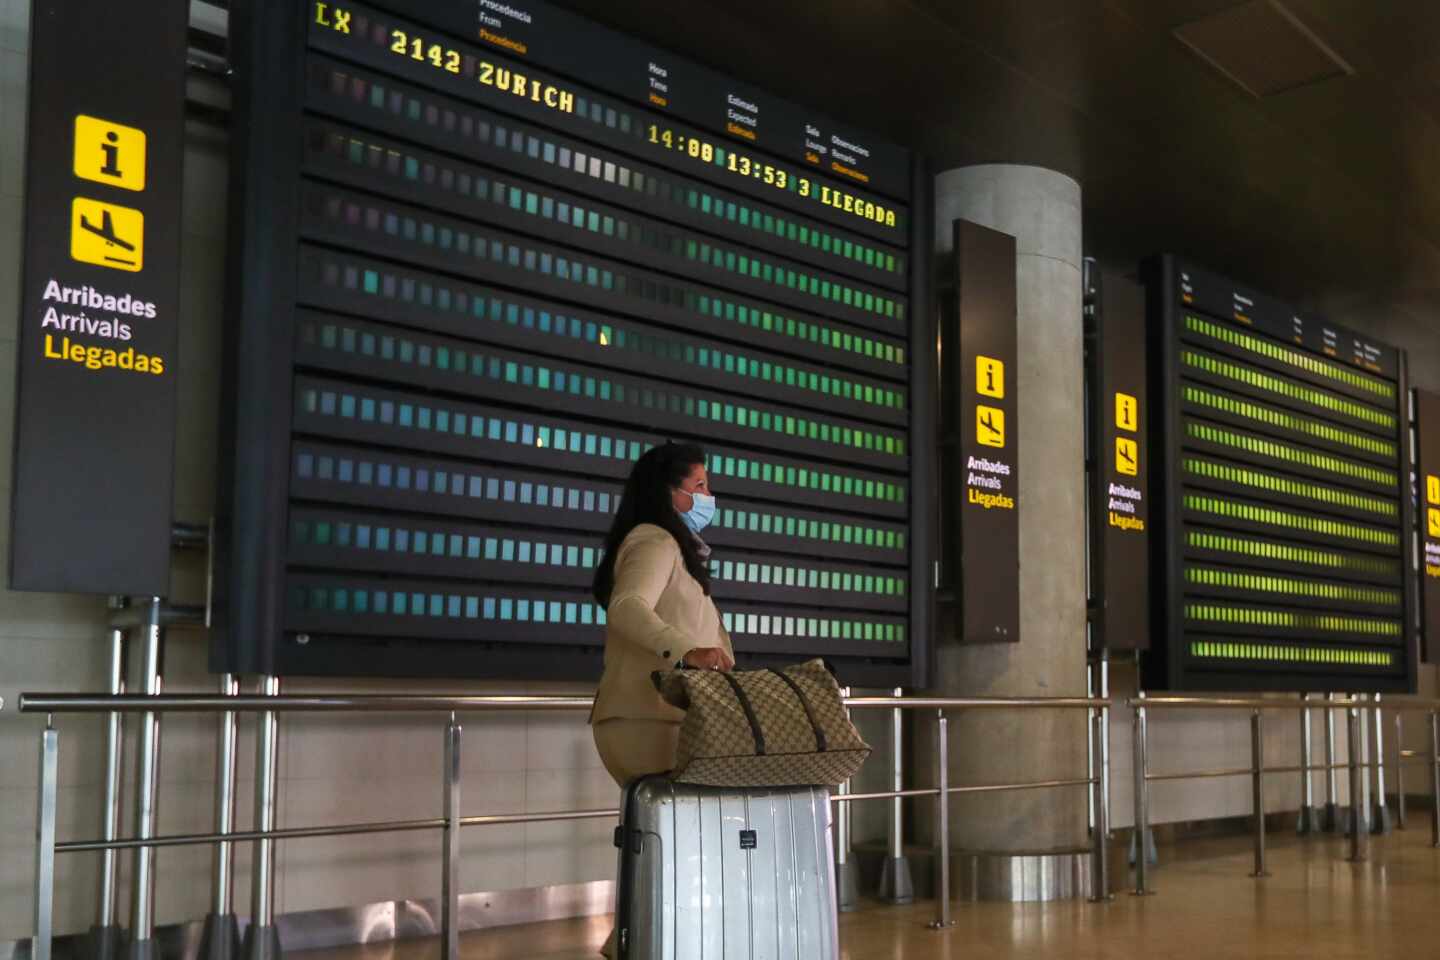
(1283, 553)
(489, 253)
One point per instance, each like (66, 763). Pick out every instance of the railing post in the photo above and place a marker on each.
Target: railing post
(1100, 831)
(1309, 821)
(147, 776)
(942, 818)
(1092, 755)
(1257, 761)
(45, 815)
(844, 869)
(1381, 821)
(1105, 738)
(1141, 736)
(1359, 833)
(1333, 818)
(1435, 779)
(262, 939)
(221, 937)
(450, 857)
(896, 883)
(846, 874)
(1399, 771)
(107, 936)
(1363, 747)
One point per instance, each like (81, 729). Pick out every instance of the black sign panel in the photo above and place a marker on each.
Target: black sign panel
(1282, 551)
(483, 268)
(1427, 429)
(95, 436)
(1119, 462)
(981, 554)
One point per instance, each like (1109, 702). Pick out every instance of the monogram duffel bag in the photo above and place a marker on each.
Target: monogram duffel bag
(763, 728)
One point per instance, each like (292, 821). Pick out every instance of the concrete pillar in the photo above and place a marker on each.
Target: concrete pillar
(1041, 209)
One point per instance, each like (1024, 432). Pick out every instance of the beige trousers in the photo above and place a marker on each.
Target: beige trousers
(630, 749)
(633, 748)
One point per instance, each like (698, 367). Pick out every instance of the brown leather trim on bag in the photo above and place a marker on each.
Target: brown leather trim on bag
(820, 744)
(749, 714)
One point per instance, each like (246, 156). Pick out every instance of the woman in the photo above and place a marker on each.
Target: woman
(655, 588)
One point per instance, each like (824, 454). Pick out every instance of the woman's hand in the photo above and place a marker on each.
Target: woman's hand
(709, 658)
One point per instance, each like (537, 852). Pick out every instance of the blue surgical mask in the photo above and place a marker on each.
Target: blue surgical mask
(701, 512)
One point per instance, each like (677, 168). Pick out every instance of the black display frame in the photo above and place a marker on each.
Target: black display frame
(267, 294)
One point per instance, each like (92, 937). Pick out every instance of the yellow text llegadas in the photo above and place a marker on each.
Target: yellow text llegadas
(100, 358)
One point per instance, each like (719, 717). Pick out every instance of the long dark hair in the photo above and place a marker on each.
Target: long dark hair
(647, 500)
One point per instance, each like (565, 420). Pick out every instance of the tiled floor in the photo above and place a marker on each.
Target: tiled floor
(1313, 905)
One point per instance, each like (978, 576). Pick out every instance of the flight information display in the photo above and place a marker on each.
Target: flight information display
(1283, 552)
(491, 253)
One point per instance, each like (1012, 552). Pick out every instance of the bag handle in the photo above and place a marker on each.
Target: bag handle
(749, 713)
(820, 743)
(657, 680)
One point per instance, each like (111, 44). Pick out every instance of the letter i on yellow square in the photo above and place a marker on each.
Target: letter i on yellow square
(1126, 412)
(1432, 489)
(109, 153)
(989, 377)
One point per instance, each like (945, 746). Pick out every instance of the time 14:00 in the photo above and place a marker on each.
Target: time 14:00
(735, 163)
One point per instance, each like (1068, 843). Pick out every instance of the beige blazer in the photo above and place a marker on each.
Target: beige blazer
(657, 613)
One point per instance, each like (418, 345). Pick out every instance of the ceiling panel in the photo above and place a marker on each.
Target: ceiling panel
(1331, 184)
(1383, 35)
(1007, 28)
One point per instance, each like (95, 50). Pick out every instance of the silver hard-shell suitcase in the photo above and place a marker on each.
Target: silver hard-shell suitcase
(708, 873)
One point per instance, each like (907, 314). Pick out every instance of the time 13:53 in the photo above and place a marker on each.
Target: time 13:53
(735, 163)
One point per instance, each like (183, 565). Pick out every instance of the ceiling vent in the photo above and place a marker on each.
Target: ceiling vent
(1262, 47)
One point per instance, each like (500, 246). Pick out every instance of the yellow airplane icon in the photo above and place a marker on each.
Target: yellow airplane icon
(107, 235)
(990, 426)
(1127, 456)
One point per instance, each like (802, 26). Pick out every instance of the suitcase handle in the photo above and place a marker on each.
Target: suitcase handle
(637, 840)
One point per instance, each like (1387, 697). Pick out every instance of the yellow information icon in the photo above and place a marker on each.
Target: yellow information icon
(1432, 489)
(990, 377)
(109, 153)
(990, 426)
(1434, 517)
(1127, 456)
(1127, 412)
(107, 235)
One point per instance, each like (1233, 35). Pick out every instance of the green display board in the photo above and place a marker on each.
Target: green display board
(1284, 555)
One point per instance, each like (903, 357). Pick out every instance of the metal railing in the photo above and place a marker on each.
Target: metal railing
(262, 941)
(1257, 770)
